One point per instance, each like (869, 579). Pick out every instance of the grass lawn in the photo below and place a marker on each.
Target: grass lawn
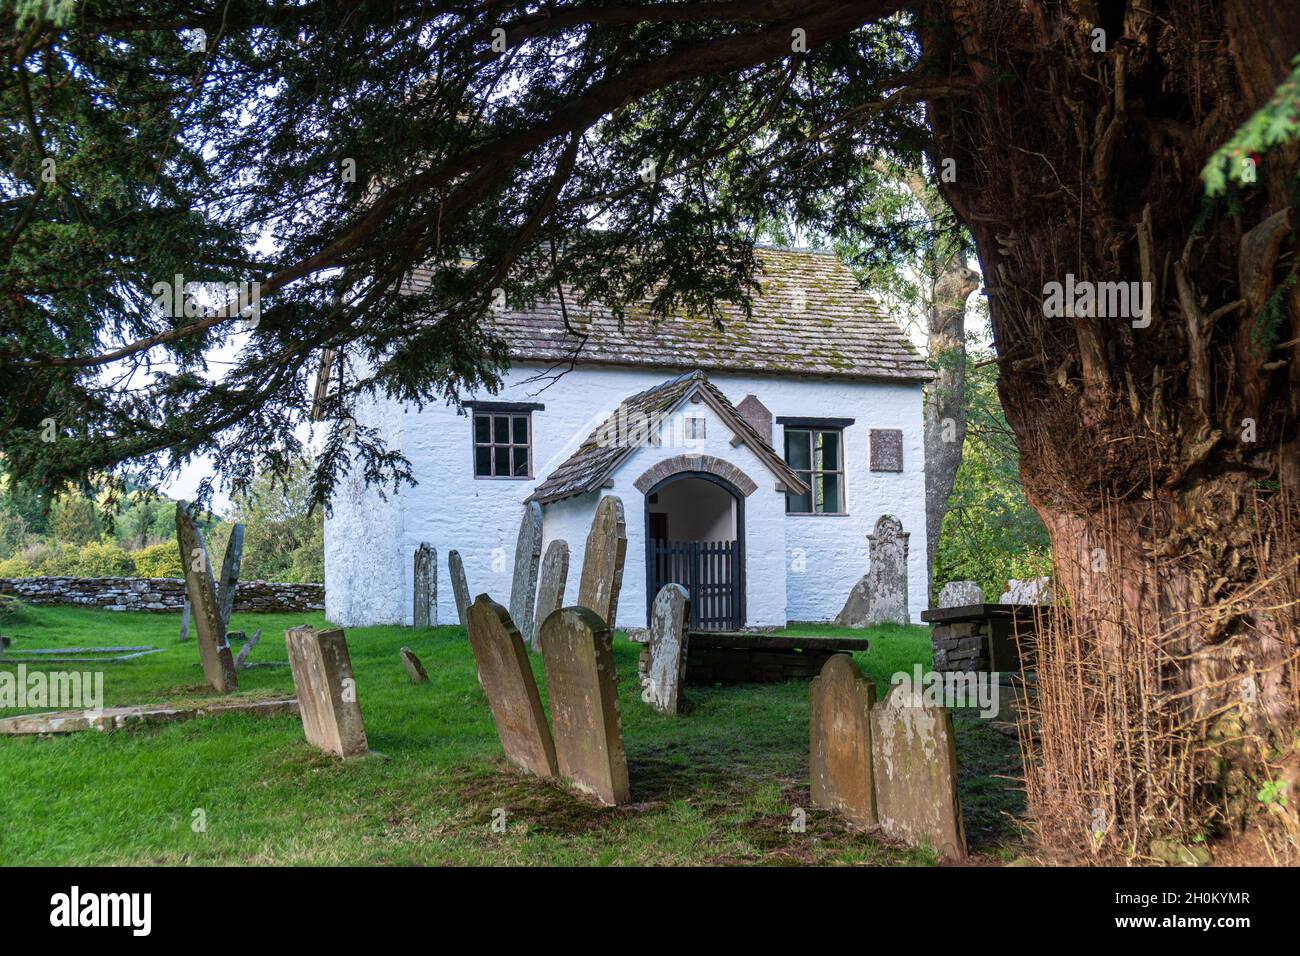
(715, 786)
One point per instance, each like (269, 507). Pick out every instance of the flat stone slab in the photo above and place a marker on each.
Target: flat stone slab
(602, 561)
(528, 556)
(915, 764)
(757, 641)
(577, 649)
(550, 586)
(665, 671)
(839, 741)
(414, 667)
(115, 718)
(507, 679)
(327, 692)
(214, 651)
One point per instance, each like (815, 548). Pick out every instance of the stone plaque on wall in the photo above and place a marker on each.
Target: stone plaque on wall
(886, 449)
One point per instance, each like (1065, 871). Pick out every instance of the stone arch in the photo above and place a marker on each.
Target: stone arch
(706, 464)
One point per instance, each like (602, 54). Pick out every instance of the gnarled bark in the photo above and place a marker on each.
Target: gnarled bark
(1173, 532)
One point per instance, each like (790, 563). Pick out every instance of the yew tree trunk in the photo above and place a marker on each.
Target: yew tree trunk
(1164, 460)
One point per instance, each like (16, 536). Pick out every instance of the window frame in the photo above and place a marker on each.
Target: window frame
(812, 473)
(491, 413)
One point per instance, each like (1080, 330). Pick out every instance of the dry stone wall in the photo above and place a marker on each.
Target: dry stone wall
(160, 594)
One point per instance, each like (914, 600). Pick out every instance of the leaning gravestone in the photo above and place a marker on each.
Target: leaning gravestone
(577, 650)
(528, 554)
(915, 764)
(888, 573)
(459, 586)
(550, 586)
(666, 672)
(214, 651)
(839, 739)
(230, 574)
(425, 612)
(327, 692)
(602, 562)
(507, 679)
(414, 668)
(858, 606)
(960, 594)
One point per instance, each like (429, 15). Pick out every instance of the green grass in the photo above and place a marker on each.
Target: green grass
(715, 786)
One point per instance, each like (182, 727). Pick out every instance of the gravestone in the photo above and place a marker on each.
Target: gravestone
(327, 692)
(230, 574)
(528, 555)
(414, 668)
(1033, 591)
(241, 659)
(915, 765)
(602, 561)
(185, 621)
(858, 606)
(425, 612)
(666, 670)
(960, 594)
(214, 651)
(459, 586)
(577, 650)
(507, 679)
(839, 740)
(550, 586)
(888, 573)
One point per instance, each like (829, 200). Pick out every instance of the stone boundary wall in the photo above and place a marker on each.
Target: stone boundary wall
(159, 594)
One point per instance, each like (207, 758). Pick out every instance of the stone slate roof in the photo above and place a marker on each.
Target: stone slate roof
(598, 457)
(841, 331)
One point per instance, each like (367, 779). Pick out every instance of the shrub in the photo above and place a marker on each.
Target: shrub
(102, 560)
(159, 561)
(16, 567)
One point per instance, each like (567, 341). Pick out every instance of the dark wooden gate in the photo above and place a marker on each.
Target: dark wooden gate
(709, 570)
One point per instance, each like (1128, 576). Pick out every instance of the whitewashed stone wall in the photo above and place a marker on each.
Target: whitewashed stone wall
(369, 543)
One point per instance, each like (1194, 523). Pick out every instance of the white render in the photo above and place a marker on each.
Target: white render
(797, 567)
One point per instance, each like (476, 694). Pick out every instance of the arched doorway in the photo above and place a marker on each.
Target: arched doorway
(695, 537)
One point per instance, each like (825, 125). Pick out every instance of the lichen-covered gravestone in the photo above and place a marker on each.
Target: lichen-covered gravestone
(414, 668)
(578, 653)
(528, 555)
(915, 763)
(960, 594)
(327, 692)
(602, 561)
(459, 586)
(888, 573)
(425, 611)
(1033, 591)
(550, 586)
(230, 574)
(507, 679)
(666, 644)
(214, 651)
(839, 740)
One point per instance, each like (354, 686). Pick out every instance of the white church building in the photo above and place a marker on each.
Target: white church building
(752, 461)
